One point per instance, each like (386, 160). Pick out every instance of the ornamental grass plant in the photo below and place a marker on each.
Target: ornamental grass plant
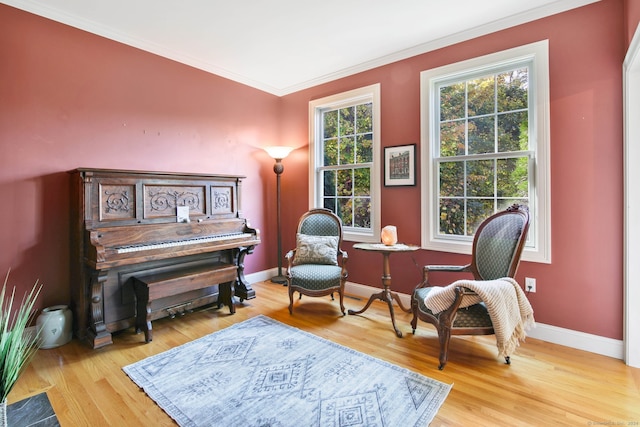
(18, 345)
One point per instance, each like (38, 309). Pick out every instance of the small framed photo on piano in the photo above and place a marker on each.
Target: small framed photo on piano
(182, 214)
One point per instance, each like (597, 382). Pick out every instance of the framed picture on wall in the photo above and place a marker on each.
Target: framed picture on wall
(400, 165)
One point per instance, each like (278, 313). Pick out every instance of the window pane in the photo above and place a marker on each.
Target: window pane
(452, 179)
(513, 132)
(345, 182)
(344, 211)
(452, 216)
(330, 203)
(513, 177)
(362, 179)
(347, 146)
(329, 183)
(362, 212)
(513, 90)
(347, 121)
(480, 178)
(452, 138)
(481, 96)
(452, 102)
(364, 118)
(482, 135)
(477, 211)
(331, 152)
(330, 124)
(364, 148)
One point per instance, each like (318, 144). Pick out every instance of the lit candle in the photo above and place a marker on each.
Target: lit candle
(389, 235)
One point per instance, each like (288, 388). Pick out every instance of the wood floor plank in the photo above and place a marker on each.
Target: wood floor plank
(546, 384)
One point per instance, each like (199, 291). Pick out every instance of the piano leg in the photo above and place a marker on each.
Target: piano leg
(225, 296)
(243, 289)
(143, 310)
(98, 335)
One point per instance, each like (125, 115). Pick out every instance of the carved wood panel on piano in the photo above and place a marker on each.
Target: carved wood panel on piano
(124, 227)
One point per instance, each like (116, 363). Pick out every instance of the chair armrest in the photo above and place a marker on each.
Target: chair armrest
(441, 268)
(289, 257)
(449, 314)
(448, 268)
(465, 291)
(343, 264)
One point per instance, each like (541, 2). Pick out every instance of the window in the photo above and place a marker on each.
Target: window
(343, 155)
(485, 146)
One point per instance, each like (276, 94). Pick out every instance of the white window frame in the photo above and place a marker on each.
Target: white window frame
(538, 247)
(316, 107)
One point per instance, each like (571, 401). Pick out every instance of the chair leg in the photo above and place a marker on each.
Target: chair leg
(414, 320)
(341, 302)
(444, 336)
(291, 300)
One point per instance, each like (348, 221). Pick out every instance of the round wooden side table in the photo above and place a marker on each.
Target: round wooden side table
(385, 295)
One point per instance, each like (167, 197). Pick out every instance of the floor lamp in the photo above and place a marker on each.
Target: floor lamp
(279, 153)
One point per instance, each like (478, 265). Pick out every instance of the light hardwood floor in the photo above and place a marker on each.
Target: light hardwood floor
(545, 385)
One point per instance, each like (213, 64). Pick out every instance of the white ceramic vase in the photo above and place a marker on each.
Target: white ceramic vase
(55, 326)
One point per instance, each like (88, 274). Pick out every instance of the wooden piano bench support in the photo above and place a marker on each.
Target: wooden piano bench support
(161, 285)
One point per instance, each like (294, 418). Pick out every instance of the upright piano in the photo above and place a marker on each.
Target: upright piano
(133, 227)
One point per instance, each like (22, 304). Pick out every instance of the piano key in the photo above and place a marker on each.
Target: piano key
(162, 245)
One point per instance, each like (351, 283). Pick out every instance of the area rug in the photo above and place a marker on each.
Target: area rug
(261, 372)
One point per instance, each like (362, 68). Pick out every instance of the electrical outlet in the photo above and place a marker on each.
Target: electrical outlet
(529, 284)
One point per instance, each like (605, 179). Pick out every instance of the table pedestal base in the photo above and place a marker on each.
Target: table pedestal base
(385, 296)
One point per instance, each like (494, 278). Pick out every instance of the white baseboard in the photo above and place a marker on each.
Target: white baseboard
(579, 340)
(261, 276)
(553, 334)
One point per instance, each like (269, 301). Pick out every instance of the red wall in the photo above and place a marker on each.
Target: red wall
(70, 99)
(582, 288)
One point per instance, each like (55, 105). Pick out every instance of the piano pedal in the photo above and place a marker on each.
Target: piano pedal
(179, 310)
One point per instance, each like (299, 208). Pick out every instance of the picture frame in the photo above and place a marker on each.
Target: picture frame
(400, 165)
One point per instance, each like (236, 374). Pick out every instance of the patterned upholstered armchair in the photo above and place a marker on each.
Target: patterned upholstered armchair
(497, 247)
(317, 266)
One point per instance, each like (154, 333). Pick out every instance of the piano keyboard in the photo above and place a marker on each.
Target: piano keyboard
(137, 248)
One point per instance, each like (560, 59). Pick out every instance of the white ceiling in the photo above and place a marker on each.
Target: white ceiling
(282, 46)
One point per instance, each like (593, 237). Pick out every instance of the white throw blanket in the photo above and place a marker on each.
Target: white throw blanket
(506, 302)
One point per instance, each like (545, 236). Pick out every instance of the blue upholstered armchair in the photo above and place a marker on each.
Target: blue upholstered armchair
(497, 247)
(317, 266)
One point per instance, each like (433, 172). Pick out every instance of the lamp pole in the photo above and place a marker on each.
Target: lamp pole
(279, 153)
(278, 168)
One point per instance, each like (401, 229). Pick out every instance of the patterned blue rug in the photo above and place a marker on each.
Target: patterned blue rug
(261, 372)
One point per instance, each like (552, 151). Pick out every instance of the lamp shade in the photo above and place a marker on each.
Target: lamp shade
(278, 151)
